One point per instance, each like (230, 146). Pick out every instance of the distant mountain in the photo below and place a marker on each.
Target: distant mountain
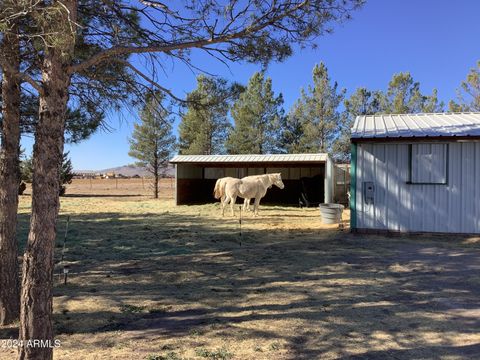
(128, 170)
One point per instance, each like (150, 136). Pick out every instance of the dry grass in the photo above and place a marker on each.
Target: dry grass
(155, 281)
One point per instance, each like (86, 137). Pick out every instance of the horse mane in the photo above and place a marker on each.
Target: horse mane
(274, 176)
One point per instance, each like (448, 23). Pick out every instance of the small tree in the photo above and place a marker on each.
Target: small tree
(66, 172)
(26, 170)
(152, 141)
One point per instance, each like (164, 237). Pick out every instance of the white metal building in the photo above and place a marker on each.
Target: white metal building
(416, 173)
(195, 175)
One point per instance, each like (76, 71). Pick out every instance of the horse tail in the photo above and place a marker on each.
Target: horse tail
(215, 190)
(219, 189)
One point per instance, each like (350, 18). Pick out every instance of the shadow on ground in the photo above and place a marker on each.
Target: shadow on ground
(293, 294)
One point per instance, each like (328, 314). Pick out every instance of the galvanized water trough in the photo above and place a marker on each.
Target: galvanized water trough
(331, 213)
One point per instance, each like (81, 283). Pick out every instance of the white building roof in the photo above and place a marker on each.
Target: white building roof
(416, 125)
(280, 158)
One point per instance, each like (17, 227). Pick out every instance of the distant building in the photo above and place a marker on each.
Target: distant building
(83, 175)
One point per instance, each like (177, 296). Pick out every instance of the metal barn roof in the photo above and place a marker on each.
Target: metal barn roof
(280, 158)
(416, 125)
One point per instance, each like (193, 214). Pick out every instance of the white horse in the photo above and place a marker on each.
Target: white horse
(249, 188)
(246, 202)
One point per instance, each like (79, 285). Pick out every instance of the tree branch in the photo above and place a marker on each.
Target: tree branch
(22, 76)
(261, 23)
(150, 80)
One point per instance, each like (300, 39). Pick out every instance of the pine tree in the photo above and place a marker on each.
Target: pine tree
(404, 97)
(292, 131)
(319, 113)
(453, 106)
(469, 93)
(361, 102)
(152, 141)
(431, 103)
(257, 115)
(26, 169)
(205, 125)
(9, 171)
(90, 94)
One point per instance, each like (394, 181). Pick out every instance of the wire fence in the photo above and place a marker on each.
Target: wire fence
(118, 186)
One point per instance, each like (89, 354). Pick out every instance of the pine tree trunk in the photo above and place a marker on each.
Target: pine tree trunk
(36, 306)
(155, 195)
(155, 174)
(37, 282)
(9, 182)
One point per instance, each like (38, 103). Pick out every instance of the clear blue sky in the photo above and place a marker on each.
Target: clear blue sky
(436, 40)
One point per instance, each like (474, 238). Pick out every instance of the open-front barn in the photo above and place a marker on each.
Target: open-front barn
(307, 177)
(416, 173)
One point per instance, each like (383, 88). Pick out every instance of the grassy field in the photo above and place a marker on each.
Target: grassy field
(153, 281)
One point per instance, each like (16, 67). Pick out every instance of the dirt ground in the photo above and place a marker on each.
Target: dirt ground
(153, 281)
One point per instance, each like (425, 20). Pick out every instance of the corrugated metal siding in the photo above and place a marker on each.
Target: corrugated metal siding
(291, 158)
(416, 125)
(399, 206)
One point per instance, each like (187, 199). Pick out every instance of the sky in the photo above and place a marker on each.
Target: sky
(437, 41)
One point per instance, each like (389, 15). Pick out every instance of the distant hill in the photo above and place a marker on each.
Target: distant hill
(128, 170)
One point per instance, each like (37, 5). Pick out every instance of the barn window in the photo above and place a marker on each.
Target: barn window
(428, 164)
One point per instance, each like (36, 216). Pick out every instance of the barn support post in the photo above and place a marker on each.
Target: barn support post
(353, 187)
(176, 184)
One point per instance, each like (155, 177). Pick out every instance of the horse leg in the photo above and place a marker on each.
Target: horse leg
(233, 200)
(257, 203)
(246, 205)
(224, 203)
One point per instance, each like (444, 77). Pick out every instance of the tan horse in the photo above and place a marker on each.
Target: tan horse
(219, 191)
(248, 188)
